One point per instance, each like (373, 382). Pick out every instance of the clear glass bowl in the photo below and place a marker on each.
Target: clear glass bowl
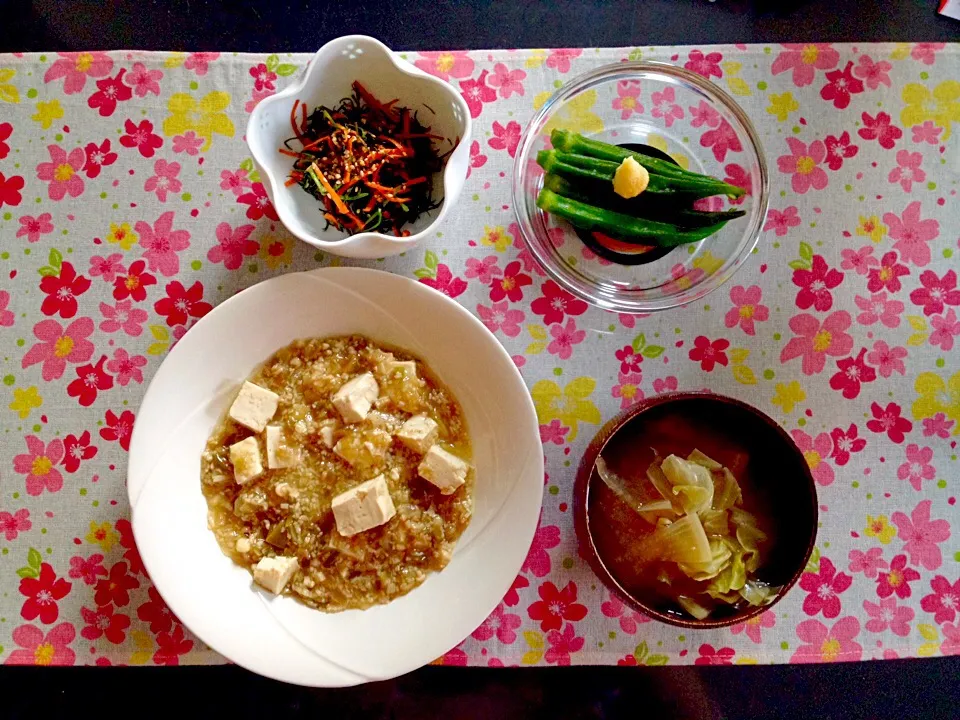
(679, 113)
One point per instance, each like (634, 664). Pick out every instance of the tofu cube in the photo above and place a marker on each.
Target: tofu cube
(443, 469)
(245, 457)
(254, 407)
(354, 399)
(419, 433)
(363, 507)
(326, 433)
(406, 368)
(279, 454)
(273, 573)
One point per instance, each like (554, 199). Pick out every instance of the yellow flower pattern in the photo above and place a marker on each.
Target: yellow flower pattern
(880, 528)
(568, 405)
(276, 251)
(937, 396)
(942, 106)
(782, 105)
(575, 115)
(788, 395)
(102, 534)
(25, 400)
(48, 113)
(497, 238)
(122, 235)
(871, 227)
(8, 91)
(205, 118)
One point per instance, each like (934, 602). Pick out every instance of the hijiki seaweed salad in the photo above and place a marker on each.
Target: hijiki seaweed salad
(369, 164)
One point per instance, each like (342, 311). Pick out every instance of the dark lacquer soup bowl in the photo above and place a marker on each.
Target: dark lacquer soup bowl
(777, 492)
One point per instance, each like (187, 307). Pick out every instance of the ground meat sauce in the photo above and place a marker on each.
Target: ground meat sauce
(287, 512)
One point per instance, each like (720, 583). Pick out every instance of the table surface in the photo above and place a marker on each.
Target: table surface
(36, 25)
(865, 282)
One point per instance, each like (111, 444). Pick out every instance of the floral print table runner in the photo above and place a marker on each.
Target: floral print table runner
(129, 207)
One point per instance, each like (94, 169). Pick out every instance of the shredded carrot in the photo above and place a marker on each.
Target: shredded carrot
(337, 200)
(316, 142)
(368, 162)
(293, 119)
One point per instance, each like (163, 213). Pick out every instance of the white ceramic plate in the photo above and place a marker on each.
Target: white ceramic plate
(277, 636)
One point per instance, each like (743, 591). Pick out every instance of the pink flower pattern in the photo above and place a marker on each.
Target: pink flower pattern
(881, 220)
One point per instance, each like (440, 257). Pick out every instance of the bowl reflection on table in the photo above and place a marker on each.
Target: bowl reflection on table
(778, 488)
(707, 132)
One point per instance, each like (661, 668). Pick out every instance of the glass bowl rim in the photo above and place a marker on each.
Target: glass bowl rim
(549, 261)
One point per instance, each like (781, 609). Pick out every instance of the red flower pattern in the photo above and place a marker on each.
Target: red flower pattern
(852, 372)
(156, 612)
(887, 276)
(445, 282)
(116, 587)
(62, 291)
(897, 579)
(103, 622)
(815, 285)
(709, 354)
(171, 647)
(141, 137)
(555, 303)
(180, 304)
(6, 130)
(839, 149)
(888, 420)
(10, 190)
(936, 292)
(43, 593)
(77, 449)
(712, 656)
(824, 587)
(944, 601)
(845, 443)
(119, 428)
(555, 606)
(110, 91)
(134, 284)
(629, 359)
(511, 285)
(132, 555)
(91, 379)
(259, 203)
(98, 157)
(841, 84)
(879, 128)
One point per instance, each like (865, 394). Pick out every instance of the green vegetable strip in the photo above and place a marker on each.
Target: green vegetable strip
(570, 142)
(590, 217)
(574, 143)
(588, 168)
(687, 219)
(550, 162)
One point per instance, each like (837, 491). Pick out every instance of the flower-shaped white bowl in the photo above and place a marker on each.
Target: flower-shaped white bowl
(327, 79)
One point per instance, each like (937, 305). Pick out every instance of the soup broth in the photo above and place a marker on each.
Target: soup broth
(729, 435)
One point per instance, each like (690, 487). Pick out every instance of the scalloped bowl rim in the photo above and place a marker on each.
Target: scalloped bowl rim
(450, 192)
